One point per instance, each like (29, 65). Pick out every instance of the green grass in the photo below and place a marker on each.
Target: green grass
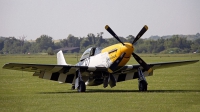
(171, 89)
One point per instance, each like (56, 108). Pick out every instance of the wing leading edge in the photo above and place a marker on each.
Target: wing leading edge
(171, 64)
(47, 67)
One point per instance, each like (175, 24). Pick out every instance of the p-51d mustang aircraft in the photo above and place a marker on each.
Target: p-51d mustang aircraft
(99, 66)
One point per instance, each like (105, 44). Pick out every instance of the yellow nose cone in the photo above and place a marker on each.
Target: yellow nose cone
(128, 49)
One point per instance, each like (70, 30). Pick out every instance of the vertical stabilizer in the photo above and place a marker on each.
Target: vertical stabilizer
(61, 58)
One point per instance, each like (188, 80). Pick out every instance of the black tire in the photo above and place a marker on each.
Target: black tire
(142, 86)
(81, 87)
(73, 87)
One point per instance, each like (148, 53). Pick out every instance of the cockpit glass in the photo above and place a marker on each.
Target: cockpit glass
(86, 54)
(90, 52)
(97, 50)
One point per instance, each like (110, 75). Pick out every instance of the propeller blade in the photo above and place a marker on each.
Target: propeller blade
(113, 33)
(142, 31)
(115, 64)
(142, 63)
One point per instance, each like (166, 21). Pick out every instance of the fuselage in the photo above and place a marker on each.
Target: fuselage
(105, 57)
(96, 57)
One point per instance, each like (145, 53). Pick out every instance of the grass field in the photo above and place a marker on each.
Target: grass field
(172, 89)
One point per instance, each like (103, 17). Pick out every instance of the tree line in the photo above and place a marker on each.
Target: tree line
(46, 44)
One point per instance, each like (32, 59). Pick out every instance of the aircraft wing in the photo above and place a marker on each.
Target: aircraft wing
(61, 73)
(171, 64)
(161, 65)
(129, 72)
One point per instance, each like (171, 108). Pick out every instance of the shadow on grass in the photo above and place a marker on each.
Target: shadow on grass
(122, 91)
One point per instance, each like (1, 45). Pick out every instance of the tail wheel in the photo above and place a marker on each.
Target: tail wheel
(73, 87)
(82, 86)
(142, 85)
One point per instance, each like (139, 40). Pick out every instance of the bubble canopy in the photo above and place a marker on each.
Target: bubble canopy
(90, 52)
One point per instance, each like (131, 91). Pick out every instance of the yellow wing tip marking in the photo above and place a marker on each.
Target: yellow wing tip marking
(106, 27)
(146, 27)
(150, 70)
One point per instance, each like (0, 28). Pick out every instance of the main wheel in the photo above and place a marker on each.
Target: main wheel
(81, 87)
(142, 85)
(73, 87)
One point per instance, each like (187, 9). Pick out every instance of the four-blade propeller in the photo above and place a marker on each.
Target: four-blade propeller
(137, 58)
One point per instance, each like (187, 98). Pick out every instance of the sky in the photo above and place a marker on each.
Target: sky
(59, 18)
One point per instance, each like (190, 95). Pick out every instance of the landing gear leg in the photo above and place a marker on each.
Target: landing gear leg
(142, 83)
(79, 83)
